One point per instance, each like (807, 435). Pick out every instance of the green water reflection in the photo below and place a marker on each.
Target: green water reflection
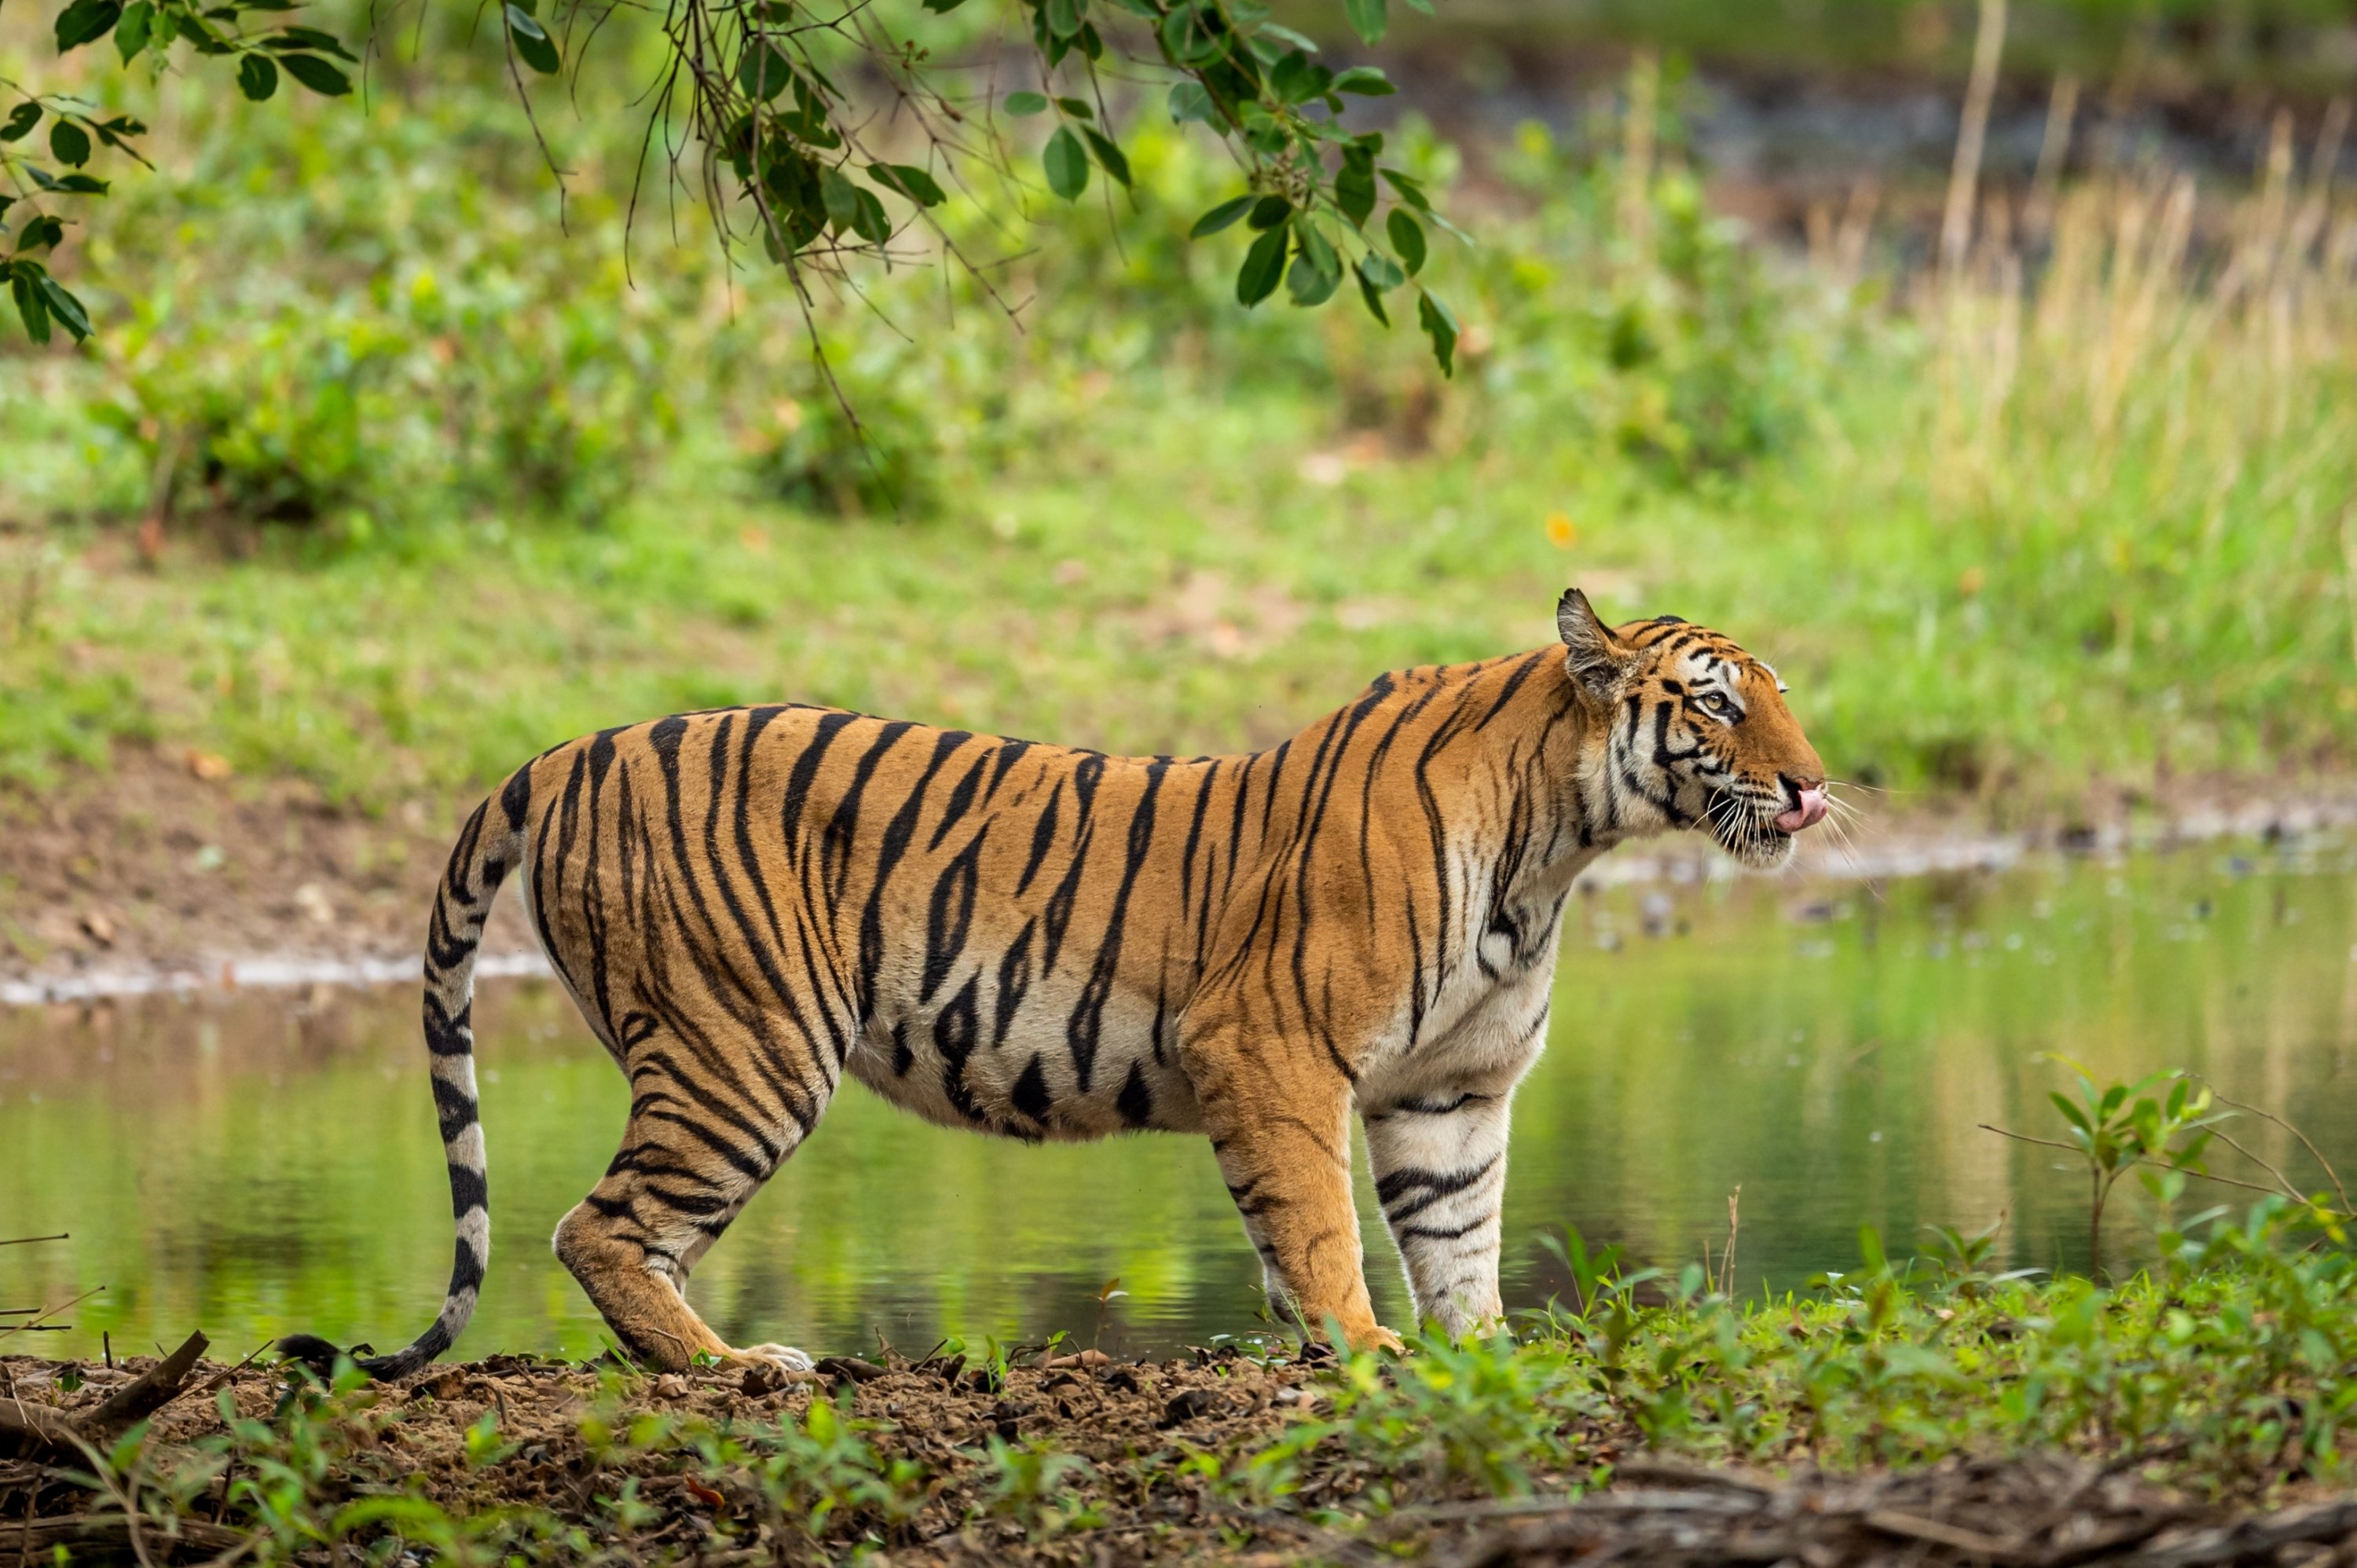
(254, 1163)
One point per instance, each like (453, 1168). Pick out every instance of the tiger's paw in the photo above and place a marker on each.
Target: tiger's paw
(778, 1361)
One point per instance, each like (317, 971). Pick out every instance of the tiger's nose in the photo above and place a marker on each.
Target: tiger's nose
(1808, 813)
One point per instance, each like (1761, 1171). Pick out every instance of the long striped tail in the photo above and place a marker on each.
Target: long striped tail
(492, 845)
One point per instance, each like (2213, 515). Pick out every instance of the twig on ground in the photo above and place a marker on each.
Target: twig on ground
(38, 1431)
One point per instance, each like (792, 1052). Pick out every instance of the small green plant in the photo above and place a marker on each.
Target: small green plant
(2121, 1127)
(1033, 1484)
(484, 1445)
(822, 1474)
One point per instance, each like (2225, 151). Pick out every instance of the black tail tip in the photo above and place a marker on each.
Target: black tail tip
(316, 1353)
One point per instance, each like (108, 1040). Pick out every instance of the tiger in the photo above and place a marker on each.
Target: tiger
(749, 904)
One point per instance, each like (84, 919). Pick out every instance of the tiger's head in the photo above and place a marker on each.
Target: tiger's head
(1696, 736)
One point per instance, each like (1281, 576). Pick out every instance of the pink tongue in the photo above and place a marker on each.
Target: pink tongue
(1808, 813)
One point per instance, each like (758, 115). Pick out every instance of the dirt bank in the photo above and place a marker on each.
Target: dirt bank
(166, 871)
(167, 867)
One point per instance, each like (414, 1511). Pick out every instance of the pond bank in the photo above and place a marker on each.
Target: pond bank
(166, 874)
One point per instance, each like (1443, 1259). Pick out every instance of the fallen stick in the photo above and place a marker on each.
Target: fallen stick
(2254, 1539)
(23, 1542)
(150, 1391)
(38, 1431)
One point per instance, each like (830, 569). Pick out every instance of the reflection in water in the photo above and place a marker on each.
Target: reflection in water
(248, 1165)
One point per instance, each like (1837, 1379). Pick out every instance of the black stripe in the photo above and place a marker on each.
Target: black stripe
(467, 1190)
(1086, 1028)
(1136, 1101)
(1043, 835)
(1030, 1094)
(805, 772)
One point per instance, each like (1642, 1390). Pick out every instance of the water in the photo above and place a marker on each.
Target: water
(250, 1163)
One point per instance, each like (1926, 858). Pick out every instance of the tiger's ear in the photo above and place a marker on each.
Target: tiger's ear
(1597, 659)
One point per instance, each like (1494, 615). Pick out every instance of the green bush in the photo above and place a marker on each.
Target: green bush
(391, 333)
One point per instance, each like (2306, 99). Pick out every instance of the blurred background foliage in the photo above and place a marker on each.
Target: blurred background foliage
(393, 467)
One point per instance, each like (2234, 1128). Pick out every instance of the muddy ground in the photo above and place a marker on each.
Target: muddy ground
(1145, 1495)
(169, 863)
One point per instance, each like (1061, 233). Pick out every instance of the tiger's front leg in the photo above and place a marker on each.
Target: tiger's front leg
(1279, 1119)
(1439, 1160)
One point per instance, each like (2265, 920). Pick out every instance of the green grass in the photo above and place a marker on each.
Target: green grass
(2005, 541)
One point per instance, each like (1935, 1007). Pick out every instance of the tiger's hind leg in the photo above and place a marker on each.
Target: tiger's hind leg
(710, 1121)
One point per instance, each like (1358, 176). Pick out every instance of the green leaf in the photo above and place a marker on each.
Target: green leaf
(1440, 325)
(532, 44)
(257, 78)
(316, 74)
(1288, 37)
(1316, 270)
(1109, 155)
(204, 38)
(2070, 1112)
(32, 306)
(1066, 163)
(1270, 210)
(842, 199)
(908, 180)
(1264, 265)
(1064, 18)
(69, 143)
(1407, 239)
(313, 39)
(1308, 283)
(131, 33)
(1409, 190)
(1296, 77)
(1381, 271)
(1370, 20)
(65, 308)
(1316, 247)
(1187, 37)
(1190, 101)
(942, 7)
(1365, 81)
(1354, 187)
(1374, 299)
(762, 72)
(1026, 103)
(1078, 108)
(41, 232)
(20, 122)
(1220, 217)
(868, 220)
(79, 23)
